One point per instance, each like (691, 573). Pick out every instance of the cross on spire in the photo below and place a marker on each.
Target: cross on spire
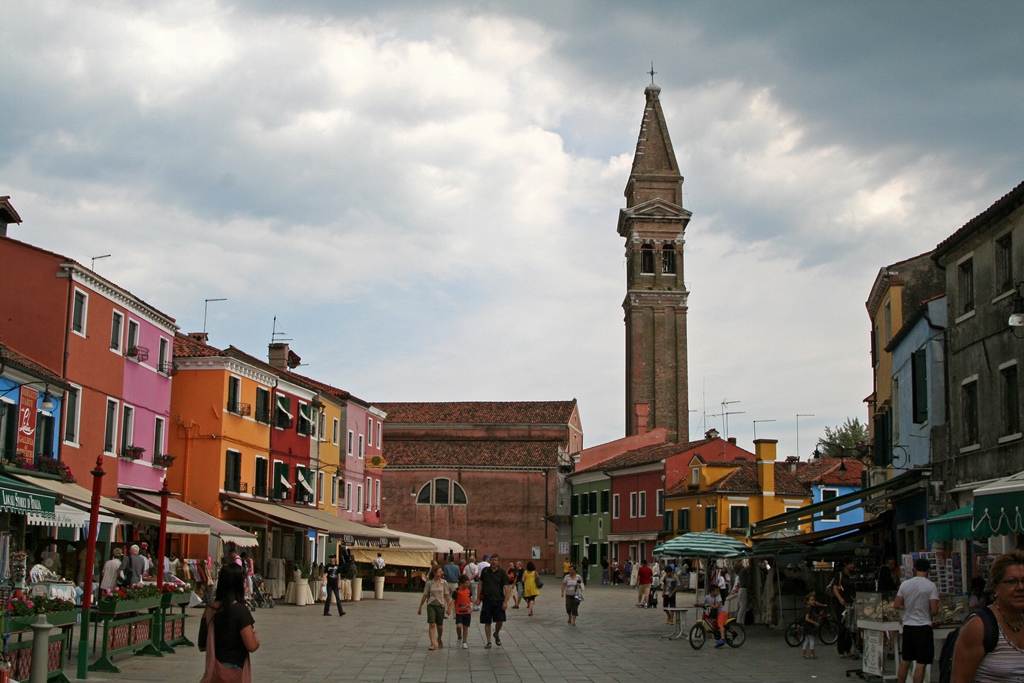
(652, 72)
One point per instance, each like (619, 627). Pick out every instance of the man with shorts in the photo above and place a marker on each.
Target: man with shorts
(494, 593)
(919, 599)
(644, 579)
(669, 586)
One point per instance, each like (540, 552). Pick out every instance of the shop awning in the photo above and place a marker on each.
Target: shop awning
(952, 526)
(22, 498)
(352, 533)
(998, 507)
(896, 487)
(228, 533)
(81, 496)
(637, 536)
(280, 514)
(435, 545)
(394, 557)
(64, 515)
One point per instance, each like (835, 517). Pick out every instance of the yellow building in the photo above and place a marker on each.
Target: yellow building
(728, 496)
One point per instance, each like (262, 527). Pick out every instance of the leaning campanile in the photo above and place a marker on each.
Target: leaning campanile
(653, 224)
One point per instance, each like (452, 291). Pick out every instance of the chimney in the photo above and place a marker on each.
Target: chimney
(642, 410)
(764, 449)
(201, 337)
(278, 355)
(7, 215)
(732, 440)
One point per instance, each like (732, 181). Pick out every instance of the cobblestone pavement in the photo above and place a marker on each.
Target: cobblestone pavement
(384, 640)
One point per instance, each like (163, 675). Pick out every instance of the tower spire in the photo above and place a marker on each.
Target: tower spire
(653, 224)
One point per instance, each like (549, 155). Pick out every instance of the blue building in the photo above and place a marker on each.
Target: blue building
(829, 478)
(30, 407)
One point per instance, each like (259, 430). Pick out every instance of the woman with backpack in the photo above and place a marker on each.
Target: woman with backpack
(1001, 658)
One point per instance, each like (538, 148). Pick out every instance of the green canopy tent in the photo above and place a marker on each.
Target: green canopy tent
(952, 526)
(998, 508)
(703, 544)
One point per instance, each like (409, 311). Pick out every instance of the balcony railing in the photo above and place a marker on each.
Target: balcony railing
(236, 486)
(168, 368)
(139, 353)
(263, 415)
(243, 409)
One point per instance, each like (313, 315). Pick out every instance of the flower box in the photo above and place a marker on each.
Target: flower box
(132, 452)
(176, 598)
(109, 607)
(164, 461)
(15, 624)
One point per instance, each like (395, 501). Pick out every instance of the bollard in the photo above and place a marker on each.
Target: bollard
(40, 650)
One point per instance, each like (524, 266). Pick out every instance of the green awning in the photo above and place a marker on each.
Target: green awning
(998, 507)
(25, 499)
(952, 526)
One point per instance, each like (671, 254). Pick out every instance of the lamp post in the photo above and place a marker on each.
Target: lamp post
(158, 632)
(90, 560)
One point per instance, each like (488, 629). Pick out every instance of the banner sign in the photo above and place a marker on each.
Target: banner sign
(27, 421)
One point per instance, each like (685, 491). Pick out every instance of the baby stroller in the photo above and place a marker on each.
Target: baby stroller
(260, 595)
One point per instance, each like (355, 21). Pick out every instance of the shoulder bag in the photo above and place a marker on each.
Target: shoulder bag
(215, 671)
(536, 580)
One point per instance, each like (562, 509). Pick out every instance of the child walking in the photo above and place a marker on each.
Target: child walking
(811, 622)
(463, 611)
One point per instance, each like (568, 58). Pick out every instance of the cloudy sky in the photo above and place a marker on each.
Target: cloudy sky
(425, 194)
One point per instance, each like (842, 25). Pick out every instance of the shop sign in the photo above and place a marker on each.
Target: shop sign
(26, 503)
(27, 420)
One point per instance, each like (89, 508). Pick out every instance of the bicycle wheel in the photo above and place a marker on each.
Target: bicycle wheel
(697, 636)
(734, 635)
(795, 634)
(828, 632)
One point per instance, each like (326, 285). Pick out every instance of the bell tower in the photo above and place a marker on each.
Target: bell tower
(653, 224)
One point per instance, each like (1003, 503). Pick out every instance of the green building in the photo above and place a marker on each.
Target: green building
(591, 520)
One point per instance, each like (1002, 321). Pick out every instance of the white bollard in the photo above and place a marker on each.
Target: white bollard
(40, 650)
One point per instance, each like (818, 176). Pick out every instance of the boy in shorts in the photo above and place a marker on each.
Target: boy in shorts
(463, 605)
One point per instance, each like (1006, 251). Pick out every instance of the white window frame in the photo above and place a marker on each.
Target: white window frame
(369, 492)
(322, 427)
(159, 430)
(133, 325)
(359, 498)
(376, 497)
(164, 356)
(85, 312)
(270, 473)
(351, 440)
(320, 486)
(379, 434)
(695, 476)
(115, 428)
(642, 506)
(659, 497)
(615, 506)
(118, 316)
(835, 511)
(348, 496)
(127, 424)
(633, 507)
(334, 489)
(77, 417)
(369, 432)
(362, 447)
(336, 429)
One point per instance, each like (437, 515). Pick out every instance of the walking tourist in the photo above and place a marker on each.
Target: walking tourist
(133, 567)
(518, 584)
(451, 573)
(494, 594)
(461, 603)
(111, 571)
(531, 586)
(438, 600)
(843, 595)
(811, 624)
(644, 578)
(918, 597)
(332, 582)
(572, 591)
(973, 662)
(226, 633)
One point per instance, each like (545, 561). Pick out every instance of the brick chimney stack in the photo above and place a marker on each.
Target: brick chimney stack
(642, 411)
(765, 450)
(201, 337)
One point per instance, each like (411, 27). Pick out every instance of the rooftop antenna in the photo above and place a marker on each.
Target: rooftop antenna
(206, 308)
(278, 336)
(726, 414)
(755, 426)
(92, 266)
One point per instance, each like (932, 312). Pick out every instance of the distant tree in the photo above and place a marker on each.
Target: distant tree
(844, 441)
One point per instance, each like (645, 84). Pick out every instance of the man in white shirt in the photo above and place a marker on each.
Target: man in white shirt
(482, 567)
(919, 599)
(472, 571)
(378, 562)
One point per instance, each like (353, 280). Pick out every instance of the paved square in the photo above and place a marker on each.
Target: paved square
(384, 640)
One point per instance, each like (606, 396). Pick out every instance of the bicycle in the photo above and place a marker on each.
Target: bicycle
(734, 635)
(828, 630)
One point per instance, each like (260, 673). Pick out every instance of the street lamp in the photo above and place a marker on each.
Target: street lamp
(47, 403)
(1016, 320)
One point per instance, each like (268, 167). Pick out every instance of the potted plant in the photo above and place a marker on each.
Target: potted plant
(132, 452)
(163, 460)
(176, 594)
(23, 612)
(132, 599)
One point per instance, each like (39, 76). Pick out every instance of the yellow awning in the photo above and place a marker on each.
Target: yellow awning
(394, 556)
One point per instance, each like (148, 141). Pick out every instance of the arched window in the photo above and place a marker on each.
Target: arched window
(646, 258)
(441, 491)
(668, 260)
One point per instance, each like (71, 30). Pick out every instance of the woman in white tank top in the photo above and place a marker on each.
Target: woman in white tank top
(1005, 663)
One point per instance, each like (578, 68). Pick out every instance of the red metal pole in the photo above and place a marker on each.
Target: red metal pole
(90, 562)
(162, 542)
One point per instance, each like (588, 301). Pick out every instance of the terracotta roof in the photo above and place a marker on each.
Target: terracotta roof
(501, 454)
(743, 479)
(10, 357)
(188, 347)
(826, 471)
(480, 412)
(1003, 207)
(644, 456)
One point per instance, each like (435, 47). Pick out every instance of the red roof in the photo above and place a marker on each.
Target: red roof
(189, 347)
(644, 456)
(743, 479)
(826, 471)
(476, 454)
(480, 412)
(10, 357)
